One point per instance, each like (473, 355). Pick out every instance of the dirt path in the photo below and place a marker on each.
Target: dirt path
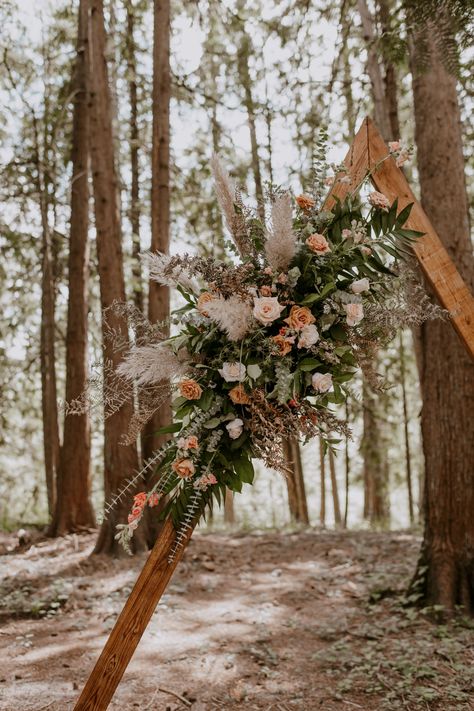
(273, 621)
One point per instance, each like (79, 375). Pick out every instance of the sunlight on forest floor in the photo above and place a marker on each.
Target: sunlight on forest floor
(272, 621)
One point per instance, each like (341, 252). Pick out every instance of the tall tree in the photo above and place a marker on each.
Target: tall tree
(119, 461)
(73, 506)
(158, 296)
(134, 137)
(446, 573)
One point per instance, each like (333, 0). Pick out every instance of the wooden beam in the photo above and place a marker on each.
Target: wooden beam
(370, 150)
(131, 623)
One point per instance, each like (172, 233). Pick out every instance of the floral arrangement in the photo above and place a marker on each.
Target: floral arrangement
(268, 341)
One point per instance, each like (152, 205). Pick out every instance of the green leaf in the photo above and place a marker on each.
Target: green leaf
(308, 364)
(403, 215)
(205, 401)
(244, 469)
(169, 429)
(338, 333)
(212, 423)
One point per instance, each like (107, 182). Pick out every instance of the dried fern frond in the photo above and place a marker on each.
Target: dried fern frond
(228, 199)
(280, 245)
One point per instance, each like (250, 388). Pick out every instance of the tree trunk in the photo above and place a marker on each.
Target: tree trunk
(322, 481)
(295, 483)
(249, 103)
(134, 214)
(390, 79)
(446, 571)
(406, 434)
(347, 471)
(381, 113)
(375, 464)
(51, 444)
(158, 296)
(120, 461)
(73, 506)
(229, 513)
(335, 492)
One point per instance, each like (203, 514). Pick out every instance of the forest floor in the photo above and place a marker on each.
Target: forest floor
(274, 621)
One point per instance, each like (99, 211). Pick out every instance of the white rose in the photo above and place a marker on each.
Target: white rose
(357, 287)
(354, 313)
(322, 382)
(233, 372)
(235, 428)
(308, 336)
(266, 309)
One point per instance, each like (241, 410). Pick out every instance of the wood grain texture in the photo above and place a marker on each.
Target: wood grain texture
(131, 623)
(366, 152)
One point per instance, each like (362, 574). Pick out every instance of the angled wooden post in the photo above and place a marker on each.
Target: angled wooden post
(131, 623)
(368, 154)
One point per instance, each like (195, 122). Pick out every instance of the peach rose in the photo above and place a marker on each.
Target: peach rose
(190, 442)
(267, 309)
(139, 499)
(379, 200)
(184, 468)
(239, 396)
(190, 389)
(318, 244)
(354, 313)
(202, 301)
(283, 344)
(265, 291)
(305, 202)
(300, 316)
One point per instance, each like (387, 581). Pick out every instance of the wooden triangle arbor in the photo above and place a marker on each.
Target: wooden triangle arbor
(367, 155)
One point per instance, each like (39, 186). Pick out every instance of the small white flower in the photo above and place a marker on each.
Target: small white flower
(357, 287)
(235, 428)
(233, 372)
(354, 313)
(308, 336)
(322, 382)
(267, 309)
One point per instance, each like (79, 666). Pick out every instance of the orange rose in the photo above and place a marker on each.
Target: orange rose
(300, 316)
(305, 202)
(202, 301)
(283, 344)
(318, 243)
(265, 291)
(238, 395)
(184, 468)
(190, 389)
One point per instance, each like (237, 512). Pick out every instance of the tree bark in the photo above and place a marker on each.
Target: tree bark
(406, 434)
(158, 296)
(51, 442)
(376, 508)
(249, 103)
(120, 461)
(446, 571)
(134, 214)
(73, 505)
(322, 482)
(335, 492)
(381, 113)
